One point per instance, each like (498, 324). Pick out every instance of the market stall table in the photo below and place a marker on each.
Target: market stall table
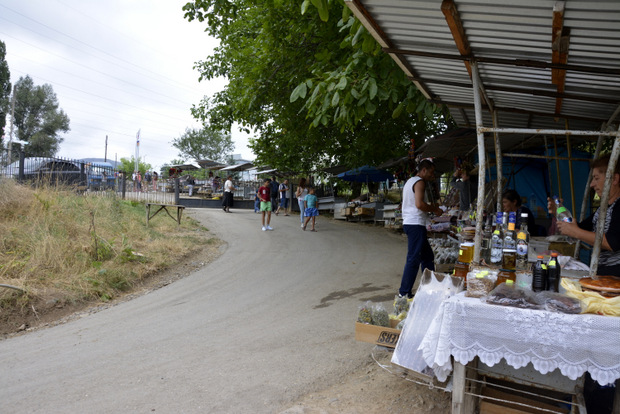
(466, 328)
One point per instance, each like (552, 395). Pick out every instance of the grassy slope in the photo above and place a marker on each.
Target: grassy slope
(73, 248)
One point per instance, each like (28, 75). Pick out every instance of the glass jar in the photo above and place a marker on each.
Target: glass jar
(504, 275)
(466, 252)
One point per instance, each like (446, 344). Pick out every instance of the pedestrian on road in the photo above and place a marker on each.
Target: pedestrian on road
(300, 194)
(229, 188)
(283, 189)
(264, 193)
(311, 204)
(415, 218)
(190, 184)
(256, 202)
(274, 185)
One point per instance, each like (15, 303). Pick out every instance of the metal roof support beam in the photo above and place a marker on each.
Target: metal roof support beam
(550, 132)
(482, 162)
(528, 63)
(602, 214)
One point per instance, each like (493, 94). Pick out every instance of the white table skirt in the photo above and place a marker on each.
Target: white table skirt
(467, 327)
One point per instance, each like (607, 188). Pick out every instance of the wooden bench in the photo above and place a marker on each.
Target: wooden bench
(164, 207)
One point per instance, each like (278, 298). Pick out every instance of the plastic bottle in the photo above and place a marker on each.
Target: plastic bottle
(497, 243)
(523, 241)
(553, 273)
(539, 275)
(562, 213)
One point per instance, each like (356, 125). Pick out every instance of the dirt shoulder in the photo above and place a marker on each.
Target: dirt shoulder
(47, 311)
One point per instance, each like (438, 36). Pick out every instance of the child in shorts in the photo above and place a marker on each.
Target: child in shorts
(311, 204)
(264, 193)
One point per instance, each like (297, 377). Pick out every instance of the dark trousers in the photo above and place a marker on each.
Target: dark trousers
(419, 252)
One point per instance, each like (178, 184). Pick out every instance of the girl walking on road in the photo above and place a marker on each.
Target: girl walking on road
(301, 193)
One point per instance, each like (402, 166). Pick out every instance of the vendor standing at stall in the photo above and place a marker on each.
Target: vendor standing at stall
(609, 259)
(415, 219)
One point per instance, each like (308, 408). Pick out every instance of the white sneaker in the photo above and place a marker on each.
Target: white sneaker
(264, 228)
(269, 227)
(302, 225)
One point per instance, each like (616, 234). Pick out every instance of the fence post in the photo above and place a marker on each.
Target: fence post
(177, 196)
(22, 161)
(123, 181)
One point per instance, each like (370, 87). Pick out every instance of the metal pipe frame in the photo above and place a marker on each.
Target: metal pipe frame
(482, 162)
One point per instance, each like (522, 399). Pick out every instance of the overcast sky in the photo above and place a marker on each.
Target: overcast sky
(116, 66)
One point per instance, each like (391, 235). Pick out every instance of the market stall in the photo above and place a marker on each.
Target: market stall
(505, 70)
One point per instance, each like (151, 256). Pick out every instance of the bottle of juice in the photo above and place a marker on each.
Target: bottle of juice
(497, 243)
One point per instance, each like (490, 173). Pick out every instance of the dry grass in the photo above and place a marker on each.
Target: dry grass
(73, 248)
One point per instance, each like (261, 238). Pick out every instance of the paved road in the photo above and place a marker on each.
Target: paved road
(270, 320)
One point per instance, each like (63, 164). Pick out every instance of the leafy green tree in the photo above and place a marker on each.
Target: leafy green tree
(128, 165)
(38, 118)
(315, 86)
(5, 90)
(206, 143)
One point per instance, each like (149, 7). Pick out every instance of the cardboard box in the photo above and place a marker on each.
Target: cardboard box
(363, 211)
(378, 335)
(348, 211)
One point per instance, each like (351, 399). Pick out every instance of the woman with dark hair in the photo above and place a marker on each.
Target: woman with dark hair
(301, 193)
(229, 189)
(511, 202)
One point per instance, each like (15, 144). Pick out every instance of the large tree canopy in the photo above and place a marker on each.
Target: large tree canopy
(206, 143)
(5, 90)
(314, 85)
(38, 118)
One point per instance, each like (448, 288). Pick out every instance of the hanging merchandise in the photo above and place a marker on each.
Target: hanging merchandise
(426, 303)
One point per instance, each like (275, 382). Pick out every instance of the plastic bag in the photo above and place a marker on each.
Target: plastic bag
(434, 289)
(591, 302)
(401, 304)
(479, 284)
(557, 302)
(510, 296)
(364, 314)
(380, 316)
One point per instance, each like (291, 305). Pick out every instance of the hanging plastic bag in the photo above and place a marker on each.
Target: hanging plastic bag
(432, 292)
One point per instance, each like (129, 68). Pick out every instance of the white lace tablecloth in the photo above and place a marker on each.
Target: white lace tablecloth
(467, 327)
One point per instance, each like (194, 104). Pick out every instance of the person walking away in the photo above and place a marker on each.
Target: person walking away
(139, 177)
(190, 185)
(311, 204)
(229, 189)
(264, 193)
(300, 194)
(283, 189)
(274, 185)
(256, 202)
(415, 219)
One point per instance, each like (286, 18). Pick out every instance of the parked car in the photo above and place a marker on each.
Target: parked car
(47, 170)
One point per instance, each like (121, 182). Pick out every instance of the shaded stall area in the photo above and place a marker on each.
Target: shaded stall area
(529, 74)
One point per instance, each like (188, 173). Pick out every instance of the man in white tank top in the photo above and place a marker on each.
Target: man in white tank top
(415, 218)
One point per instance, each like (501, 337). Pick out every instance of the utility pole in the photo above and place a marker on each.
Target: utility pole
(105, 157)
(12, 123)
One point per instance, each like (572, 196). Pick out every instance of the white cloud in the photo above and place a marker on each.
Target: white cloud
(116, 67)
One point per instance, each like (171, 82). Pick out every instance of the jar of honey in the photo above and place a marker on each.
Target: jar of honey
(461, 270)
(504, 275)
(466, 252)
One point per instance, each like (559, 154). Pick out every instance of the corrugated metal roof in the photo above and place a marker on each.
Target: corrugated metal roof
(513, 44)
